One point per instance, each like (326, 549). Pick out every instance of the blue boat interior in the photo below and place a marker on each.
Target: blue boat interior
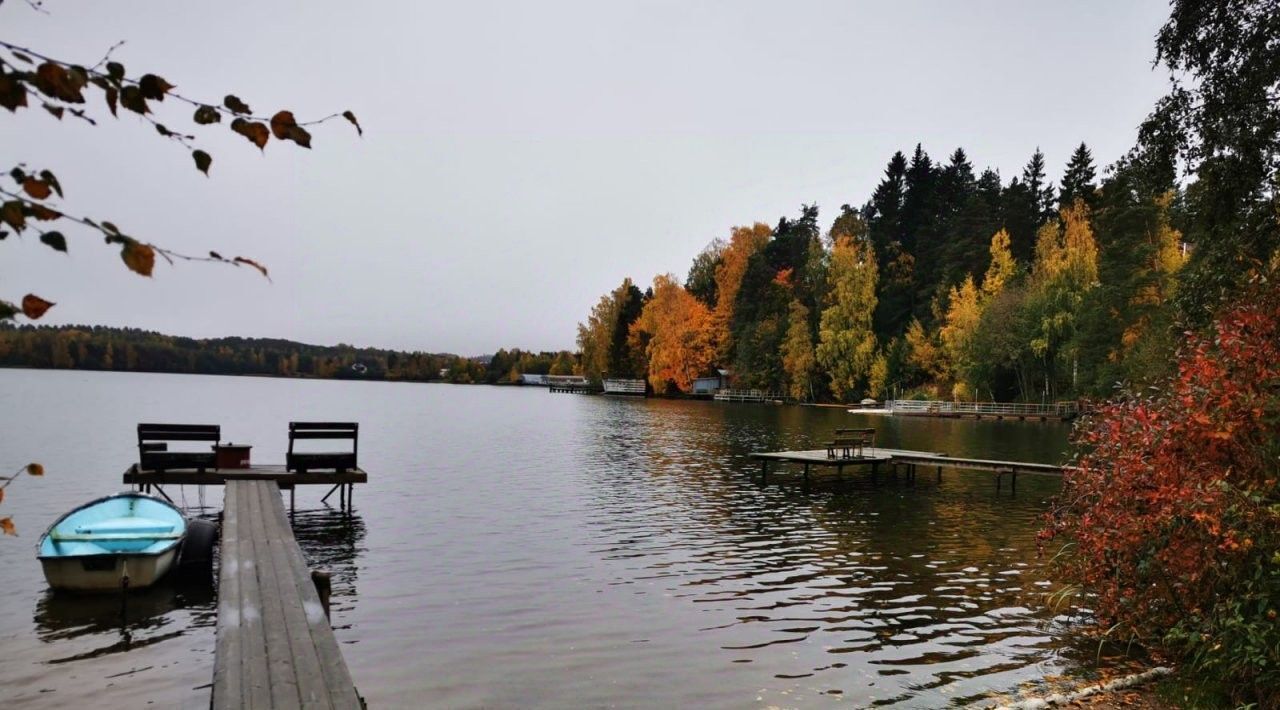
(129, 523)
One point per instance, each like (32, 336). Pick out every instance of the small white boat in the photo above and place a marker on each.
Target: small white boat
(128, 540)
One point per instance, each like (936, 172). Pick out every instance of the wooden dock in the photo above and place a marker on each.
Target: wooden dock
(874, 458)
(759, 396)
(342, 483)
(1022, 411)
(275, 647)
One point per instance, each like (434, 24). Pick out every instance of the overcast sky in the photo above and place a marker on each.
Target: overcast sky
(520, 159)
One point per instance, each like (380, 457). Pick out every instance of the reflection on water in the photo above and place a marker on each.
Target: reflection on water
(104, 624)
(515, 548)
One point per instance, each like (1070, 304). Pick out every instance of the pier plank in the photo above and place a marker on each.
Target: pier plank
(275, 647)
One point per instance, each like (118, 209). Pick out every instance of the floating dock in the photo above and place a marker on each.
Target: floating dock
(275, 648)
(874, 458)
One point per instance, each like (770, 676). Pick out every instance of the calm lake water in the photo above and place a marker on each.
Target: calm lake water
(516, 548)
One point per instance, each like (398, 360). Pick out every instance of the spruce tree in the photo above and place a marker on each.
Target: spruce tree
(1078, 180)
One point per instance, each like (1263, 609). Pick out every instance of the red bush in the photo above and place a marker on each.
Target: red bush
(1172, 513)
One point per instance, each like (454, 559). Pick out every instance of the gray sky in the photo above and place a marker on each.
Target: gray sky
(520, 159)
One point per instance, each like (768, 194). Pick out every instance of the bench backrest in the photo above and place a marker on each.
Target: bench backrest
(842, 432)
(178, 432)
(324, 430)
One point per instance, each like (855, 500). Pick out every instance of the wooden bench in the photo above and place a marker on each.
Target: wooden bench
(153, 446)
(850, 443)
(340, 461)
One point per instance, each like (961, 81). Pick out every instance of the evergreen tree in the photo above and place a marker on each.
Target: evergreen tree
(884, 220)
(1078, 180)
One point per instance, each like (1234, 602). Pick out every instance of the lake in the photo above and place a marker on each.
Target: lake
(515, 548)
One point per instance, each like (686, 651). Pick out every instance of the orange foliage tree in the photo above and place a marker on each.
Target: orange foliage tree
(677, 335)
(744, 242)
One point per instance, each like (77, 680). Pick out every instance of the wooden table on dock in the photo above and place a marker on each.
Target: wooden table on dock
(275, 648)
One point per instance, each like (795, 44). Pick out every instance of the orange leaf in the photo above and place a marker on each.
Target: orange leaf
(254, 264)
(138, 257)
(38, 189)
(33, 306)
(35, 469)
(1, 495)
(257, 133)
(44, 214)
(6, 525)
(281, 123)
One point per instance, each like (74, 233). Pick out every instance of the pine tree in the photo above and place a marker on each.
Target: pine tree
(1041, 193)
(1078, 180)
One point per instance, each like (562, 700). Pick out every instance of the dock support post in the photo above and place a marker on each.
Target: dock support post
(875, 471)
(999, 479)
(1013, 480)
(806, 476)
(331, 490)
(324, 587)
(764, 471)
(939, 474)
(292, 489)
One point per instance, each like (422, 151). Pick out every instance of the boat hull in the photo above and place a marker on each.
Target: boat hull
(124, 540)
(106, 573)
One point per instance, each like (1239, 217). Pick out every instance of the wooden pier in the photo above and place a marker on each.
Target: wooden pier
(896, 459)
(1022, 411)
(275, 647)
(730, 395)
(570, 384)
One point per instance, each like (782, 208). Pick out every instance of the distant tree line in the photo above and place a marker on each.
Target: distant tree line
(130, 349)
(946, 283)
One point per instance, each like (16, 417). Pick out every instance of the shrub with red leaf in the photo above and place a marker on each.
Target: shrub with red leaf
(1170, 518)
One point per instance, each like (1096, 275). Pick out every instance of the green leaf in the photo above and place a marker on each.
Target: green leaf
(8, 310)
(54, 240)
(203, 160)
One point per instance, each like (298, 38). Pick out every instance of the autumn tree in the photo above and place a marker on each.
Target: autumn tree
(958, 331)
(798, 358)
(603, 339)
(1065, 269)
(744, 243)
(677, 334)
(1002, 268)
(846, 341)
